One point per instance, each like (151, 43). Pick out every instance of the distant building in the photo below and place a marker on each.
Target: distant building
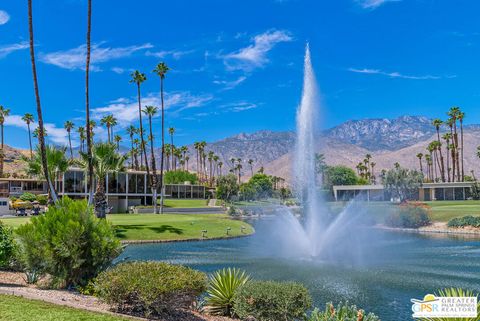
(428, 192)
(123, 189)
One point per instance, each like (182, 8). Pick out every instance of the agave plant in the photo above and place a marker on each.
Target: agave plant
(222, 287)
(455, 292)
(343, 312)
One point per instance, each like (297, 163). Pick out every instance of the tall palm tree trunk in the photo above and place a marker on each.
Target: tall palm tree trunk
(70, 144)
(162, 188)
(87, 104)
(142, 140)
(41, 131)
(2, 152)
(461, 149)
(30, 141)
(442, 161)
(154, 169)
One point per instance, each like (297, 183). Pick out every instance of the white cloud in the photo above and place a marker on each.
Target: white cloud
(54, 134)
(75, 58)
(227, 85)
(239, 106)
(175, 54)
(255, 55)
(126, 109)
(118, 70)
(373, 4)
(16, 121)
(5, 50)
(4, 17)
(394, 74)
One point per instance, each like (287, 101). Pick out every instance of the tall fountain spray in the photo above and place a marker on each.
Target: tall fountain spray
(305, 179)
(317, 234)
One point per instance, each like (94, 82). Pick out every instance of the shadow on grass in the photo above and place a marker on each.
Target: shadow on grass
(122, 230)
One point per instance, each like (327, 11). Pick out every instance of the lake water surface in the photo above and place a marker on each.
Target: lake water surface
(398, 267)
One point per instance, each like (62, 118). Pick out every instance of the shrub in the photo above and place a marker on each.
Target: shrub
(42, 199)
(150, 287)
(343, 312)
(28, 197)
(413, 215)
(464, 221)
(222, 287)
(271, 301)
(7, 246)
(68, 242)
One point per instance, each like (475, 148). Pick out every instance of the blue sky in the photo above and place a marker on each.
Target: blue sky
(236, 66)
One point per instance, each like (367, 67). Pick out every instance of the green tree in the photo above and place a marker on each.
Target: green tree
(132, 130)
(180, 177)
(151, 111)
(138, 78)
(89, 123)
(161, 70)
(4, 112)
(81, 136)
(339, 175)
(109, 121)
(28, 119)
(117, 139)
(227, 187)
(437, 123)
(57, 163)
(402, 183)
(68, 125)
(105, 160)
(41, 138)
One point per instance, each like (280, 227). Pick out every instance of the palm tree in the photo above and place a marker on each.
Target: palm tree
(117, 139)
(161, 70)
(196, 145)
(88, 123)
(4, 112)
(428, 159)
(57, 163)
(447, 137)
(138, 78)
(187, 158)
(108, 121)
(420, 156)
(220, 164)
(171, 131)
(136, 141)
(437, 123)
(41, 138)
(36, 132)
(105, 159)
(131, 131)
(68, 125)
(453, 113)
(28, 119)
(372, 177)
(150, 111)
(250, 162)
(452, 147)
(239, 169)
(81, 134)
(460, 117)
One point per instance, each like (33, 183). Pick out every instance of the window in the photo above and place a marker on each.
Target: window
(112, 183)
(122, 183)
(140, 183)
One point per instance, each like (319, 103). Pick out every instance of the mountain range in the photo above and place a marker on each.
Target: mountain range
(387, 140)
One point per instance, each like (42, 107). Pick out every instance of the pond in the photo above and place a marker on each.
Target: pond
(400, 266)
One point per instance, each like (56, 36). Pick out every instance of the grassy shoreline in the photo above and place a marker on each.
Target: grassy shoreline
(148, 228)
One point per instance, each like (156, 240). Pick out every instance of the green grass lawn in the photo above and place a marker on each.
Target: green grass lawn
(443, 211)
(185, 203)
(14, 308)
(166, 226)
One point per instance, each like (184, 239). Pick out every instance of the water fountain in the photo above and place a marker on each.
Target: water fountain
(317, 234)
